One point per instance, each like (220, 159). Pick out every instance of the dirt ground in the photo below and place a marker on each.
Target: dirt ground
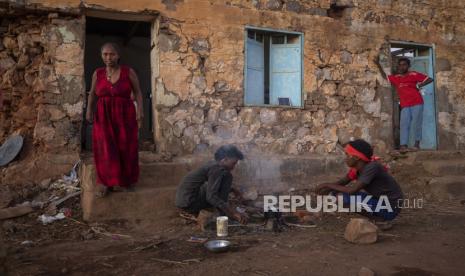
(427, 241)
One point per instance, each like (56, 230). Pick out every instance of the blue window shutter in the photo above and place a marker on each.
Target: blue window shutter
(285, 73)
(255, 82)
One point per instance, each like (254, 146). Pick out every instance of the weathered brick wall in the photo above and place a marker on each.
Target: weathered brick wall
(42, 83)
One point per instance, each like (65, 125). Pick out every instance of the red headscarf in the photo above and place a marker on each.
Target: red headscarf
(352, 174)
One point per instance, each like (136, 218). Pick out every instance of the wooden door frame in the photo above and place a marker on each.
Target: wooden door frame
(151, 17)
(432, 47)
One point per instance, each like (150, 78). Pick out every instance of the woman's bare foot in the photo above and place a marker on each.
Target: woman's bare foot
(125, 189)
(103, 192)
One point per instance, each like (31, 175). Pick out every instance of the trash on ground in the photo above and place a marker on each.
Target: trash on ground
(27, 243)
(49, 219)
(195, 239)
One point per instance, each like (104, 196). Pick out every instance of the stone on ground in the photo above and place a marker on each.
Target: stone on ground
(364, 271)
(206, 219)
(361, 231)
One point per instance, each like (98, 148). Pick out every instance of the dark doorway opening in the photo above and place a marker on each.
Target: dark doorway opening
(133, 37)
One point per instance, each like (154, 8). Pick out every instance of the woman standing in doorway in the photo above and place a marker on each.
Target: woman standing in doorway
(116, 121)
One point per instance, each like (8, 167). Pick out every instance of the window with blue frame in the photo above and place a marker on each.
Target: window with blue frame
(273, 68)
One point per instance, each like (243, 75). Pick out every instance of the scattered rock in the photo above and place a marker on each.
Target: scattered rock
(206, 220)
(364, 271)
(361, 231)
(9, 227)
(87, 234)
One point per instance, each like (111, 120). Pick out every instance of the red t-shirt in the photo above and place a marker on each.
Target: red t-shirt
(406, 87)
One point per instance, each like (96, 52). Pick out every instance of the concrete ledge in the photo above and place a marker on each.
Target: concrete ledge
(143, 204)
(448, 187)
(445, 167)
(437, 155)
(155, 192)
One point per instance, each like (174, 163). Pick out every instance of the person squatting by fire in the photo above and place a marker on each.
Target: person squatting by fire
(369, 178)
(210, 185)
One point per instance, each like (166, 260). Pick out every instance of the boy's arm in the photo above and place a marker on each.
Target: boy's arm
(344, 181)
(425, 82)
(215, 180)
(324, 189)
(383, 68)
(346, 189)
(236, 192)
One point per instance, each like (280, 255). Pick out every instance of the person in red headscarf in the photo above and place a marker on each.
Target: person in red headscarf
(368, 178)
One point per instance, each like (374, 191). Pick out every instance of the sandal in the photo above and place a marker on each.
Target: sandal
(187, 216)
(403, 149)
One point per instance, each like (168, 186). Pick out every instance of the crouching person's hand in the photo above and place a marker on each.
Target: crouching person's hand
(322, 189)
(242, 218)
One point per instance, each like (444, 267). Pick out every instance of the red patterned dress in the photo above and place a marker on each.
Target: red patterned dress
(114, 134)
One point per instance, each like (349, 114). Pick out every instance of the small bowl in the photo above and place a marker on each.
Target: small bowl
(217, 245)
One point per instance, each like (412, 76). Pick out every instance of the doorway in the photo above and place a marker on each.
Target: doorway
(421, 60)
(134, 40)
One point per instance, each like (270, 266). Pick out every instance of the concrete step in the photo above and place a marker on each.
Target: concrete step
(445, 167)
(148, 203)
(437, 155)
(448, 187)
(144, 204)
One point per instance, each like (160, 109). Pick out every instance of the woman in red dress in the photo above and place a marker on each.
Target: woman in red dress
(116, 121)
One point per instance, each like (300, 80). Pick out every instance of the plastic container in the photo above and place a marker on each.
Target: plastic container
(222, 226)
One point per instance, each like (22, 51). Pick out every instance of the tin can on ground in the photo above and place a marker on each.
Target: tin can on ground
(222, 226)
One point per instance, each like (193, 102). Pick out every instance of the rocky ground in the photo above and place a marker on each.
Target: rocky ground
(426, 241)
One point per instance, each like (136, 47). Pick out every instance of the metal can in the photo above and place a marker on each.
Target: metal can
(222, 226)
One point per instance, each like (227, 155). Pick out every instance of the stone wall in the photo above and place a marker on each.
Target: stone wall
(200, 89)
(198, 72)
(42, 81)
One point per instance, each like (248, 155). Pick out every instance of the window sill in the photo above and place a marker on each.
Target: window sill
(273, 106)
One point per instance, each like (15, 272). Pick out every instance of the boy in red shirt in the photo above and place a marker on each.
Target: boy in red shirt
(407, 84)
